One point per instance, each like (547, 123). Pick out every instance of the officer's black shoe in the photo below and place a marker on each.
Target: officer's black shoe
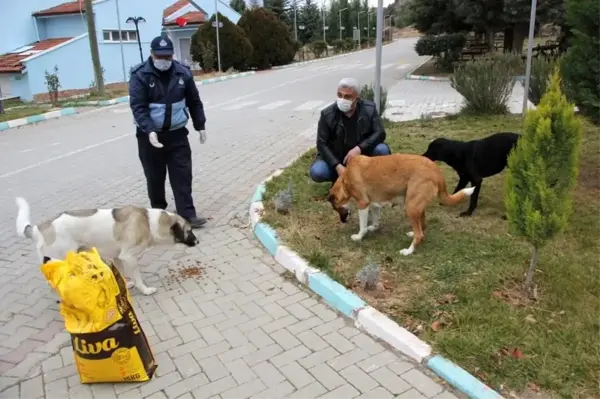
(197, 222)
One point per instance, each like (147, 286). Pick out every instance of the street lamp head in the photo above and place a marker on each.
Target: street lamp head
(135, 20)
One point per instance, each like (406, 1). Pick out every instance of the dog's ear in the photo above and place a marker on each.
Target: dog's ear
(178, 232)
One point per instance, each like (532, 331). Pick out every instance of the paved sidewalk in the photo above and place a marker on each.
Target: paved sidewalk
(241, 330)
(414, 99)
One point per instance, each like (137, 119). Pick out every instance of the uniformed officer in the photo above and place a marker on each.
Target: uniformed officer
(160, 89)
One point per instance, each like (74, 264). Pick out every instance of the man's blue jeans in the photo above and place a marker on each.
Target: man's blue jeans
(321, 172)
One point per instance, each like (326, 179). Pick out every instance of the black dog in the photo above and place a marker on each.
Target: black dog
(473, 160)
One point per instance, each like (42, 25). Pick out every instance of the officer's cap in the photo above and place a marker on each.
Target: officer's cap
(162, 46)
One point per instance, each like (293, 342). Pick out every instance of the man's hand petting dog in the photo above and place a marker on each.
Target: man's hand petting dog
(351, 154)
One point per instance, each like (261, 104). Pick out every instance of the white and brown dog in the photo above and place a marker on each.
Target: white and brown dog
(119, 234)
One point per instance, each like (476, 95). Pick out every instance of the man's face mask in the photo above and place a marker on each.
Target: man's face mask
(345, 100)
(162, 64)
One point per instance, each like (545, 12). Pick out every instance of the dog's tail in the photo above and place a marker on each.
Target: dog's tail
(24, 226)
(447, 199)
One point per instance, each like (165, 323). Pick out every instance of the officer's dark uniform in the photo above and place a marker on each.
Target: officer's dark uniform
(158, 100)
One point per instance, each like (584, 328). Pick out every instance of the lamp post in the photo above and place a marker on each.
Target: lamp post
(295, 22)
(340, 12)
(369, 27)
(358, 22)
(136, 21)
(529, 54)
(323, 17)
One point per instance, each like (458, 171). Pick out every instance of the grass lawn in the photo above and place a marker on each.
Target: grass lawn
(17, 113)
(430, 69)
(109, 94)
(460, 290)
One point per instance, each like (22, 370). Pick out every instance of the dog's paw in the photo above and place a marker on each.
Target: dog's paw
(373, 227)
(148, 290)
(356, 237)
(410, 234)
(130, 284)
(407, 251)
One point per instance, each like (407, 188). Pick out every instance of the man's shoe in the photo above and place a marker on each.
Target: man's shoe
(197, 222)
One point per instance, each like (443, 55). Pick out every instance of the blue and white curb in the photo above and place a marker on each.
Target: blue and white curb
(295, 64)
(364, 316)
(103, 103)
(224, 77)
(423, 77)
(37, 118)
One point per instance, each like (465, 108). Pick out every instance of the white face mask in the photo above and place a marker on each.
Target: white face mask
(162, 65)
(344, 105)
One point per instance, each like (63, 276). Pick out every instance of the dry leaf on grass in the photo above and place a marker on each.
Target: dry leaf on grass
(530, 319)
(533, 386)
(435, 326)
(512, 352)
(447, 299)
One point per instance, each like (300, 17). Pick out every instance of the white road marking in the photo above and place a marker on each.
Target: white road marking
(403, 66)
(274, 105)
(54, 144)
(307, 106)
(27, 150)
(370, 66)
(386, 66)
(121, 110)
(239, 106)
(65, 155)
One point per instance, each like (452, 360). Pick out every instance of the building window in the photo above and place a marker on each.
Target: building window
(113, 35)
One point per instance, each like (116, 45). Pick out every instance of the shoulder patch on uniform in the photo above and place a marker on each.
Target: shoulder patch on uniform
(136, 68)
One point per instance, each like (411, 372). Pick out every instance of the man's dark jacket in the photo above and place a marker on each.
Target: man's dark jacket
(159, 104)
(332, 138)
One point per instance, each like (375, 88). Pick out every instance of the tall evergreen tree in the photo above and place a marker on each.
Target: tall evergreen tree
(542, 172)
(238, 5)
(309, 17)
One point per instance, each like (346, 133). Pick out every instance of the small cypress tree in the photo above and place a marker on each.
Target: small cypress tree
(542, 171)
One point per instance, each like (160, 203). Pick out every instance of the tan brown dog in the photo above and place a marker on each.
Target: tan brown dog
(376, 181)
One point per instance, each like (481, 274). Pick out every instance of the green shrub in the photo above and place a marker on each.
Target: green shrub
(349, 44)
(541, 70)
(207, 56)
(338, 46)
(486, 84)
(236, 49)
(270, 40)
(445, 48)
(318, 48)
(542, 171)
(367, 92)
(581, 63)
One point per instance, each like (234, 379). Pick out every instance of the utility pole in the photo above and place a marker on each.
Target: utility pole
(91, 25)
(121, 41)
(529, 55)
(378, 49)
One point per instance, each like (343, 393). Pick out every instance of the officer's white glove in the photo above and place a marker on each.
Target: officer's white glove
(202, 134)
(154, 140)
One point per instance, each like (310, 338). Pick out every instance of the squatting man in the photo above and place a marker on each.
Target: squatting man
(347, 128)
(160, 90)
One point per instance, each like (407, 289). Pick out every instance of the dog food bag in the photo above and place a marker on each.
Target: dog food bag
(108, 342)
